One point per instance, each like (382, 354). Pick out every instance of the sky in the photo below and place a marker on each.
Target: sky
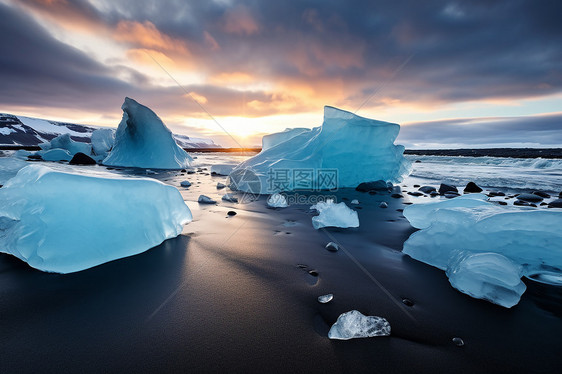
(478, 73)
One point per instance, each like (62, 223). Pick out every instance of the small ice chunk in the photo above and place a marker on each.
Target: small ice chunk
(230, 198)
(353, 324)
(220, 186)
(65, 142)
(458, 342)
(355, 202)
(334, 215)
(102, 141)
(55, 154)
(185, 183)
(488, 276)
(383, 204)
(332, 247)
(324, 299)
(222, 169)
(205, 200)
(277, 201)
(22, 154)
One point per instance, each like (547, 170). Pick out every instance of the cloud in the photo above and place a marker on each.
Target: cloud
(265, 58)
(545, 130)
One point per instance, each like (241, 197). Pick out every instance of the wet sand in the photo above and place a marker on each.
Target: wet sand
(233, 294)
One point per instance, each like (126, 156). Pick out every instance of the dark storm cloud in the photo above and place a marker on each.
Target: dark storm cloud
(337, 52)
(37, 70)
(544, 129)
(462, 50)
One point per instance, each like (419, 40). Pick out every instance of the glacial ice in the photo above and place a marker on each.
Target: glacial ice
(61, 222)
(142, 140)
(9, 167)
(350, 148)
(488, 276)
(102, 141)
(65, 142)
(324, 299)
(55, 154)
(334, 215)
(528, 237)
(353, 324)
(277, 200)
(271, 140)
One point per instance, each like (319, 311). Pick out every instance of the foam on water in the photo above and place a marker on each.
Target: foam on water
(490, 172)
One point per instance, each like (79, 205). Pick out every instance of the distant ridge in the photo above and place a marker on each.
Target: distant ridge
(19, 132)
(490, 152)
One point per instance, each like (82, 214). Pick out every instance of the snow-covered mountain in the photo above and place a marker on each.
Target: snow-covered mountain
(27, 131)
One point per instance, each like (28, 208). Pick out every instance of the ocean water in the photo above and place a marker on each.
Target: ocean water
(488, 172)
(517, 174)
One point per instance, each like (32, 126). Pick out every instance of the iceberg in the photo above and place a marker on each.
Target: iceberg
(65, 142)
(102, 141)
(345, 151)
(55, 154)
(529, 238)
(334, 215)
(277, 201)
(271, 140)
(488, 276)
(61, 222)
(142, 140)
(353, 325)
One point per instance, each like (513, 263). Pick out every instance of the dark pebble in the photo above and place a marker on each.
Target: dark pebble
(416, 193)
(416, 185)
(408, 302)
(471, 187)
(332, 247)
(541, 194)
(231, 213)
(521, 203)
(529, 197)
(555, 204)
(502, 203)
(82, 159)
(495, 193)
(443, 188)
(427, 189)
(314, 273)
(397, 196)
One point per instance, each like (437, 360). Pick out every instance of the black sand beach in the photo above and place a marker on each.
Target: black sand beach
(234, 294)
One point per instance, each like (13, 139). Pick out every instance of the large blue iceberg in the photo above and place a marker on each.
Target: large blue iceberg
(452, 231)
(345, 151)
(61, 222)
(142, 140)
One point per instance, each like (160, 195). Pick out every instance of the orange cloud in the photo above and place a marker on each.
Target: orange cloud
(146, 35)
(235, 78)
